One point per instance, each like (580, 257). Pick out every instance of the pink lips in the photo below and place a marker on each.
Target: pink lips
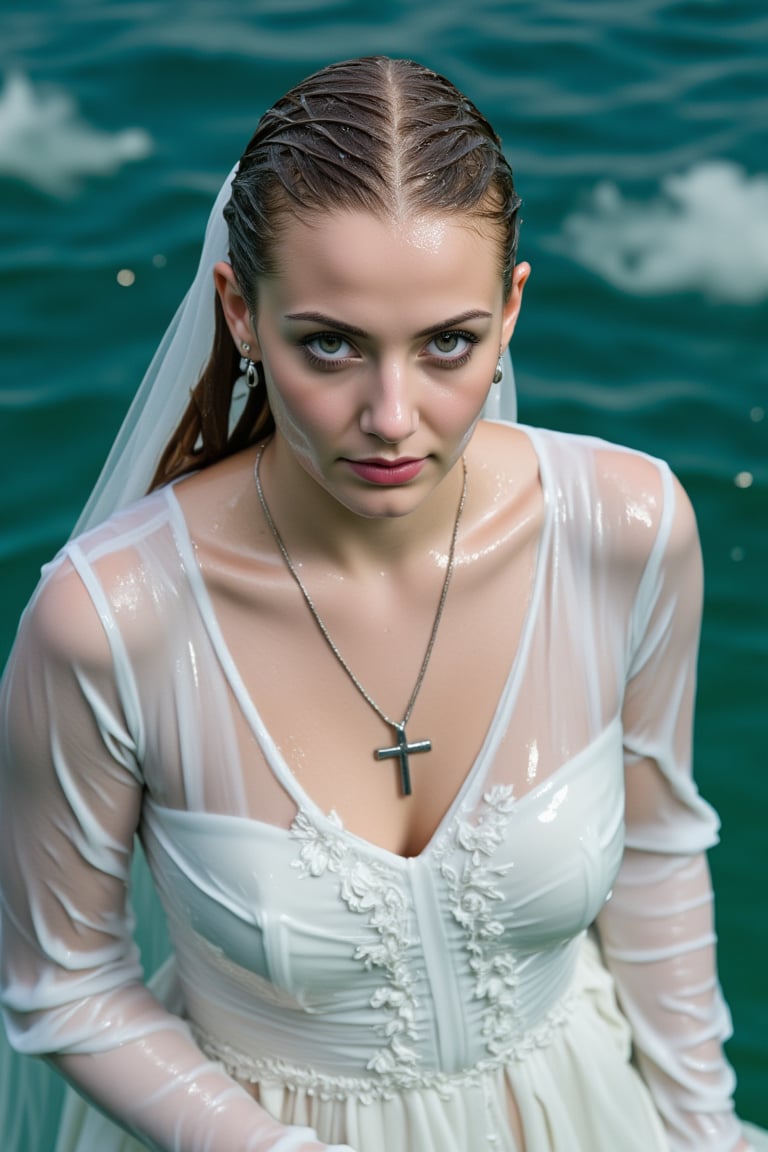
(379, 471)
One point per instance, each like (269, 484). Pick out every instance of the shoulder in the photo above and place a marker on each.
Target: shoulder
(634, 493)
(101, 581)
(629, 502)
(643, 506)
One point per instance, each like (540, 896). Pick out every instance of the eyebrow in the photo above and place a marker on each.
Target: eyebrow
(352, 330)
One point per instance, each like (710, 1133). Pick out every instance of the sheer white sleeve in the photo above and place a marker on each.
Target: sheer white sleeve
(657, 929)
(72, 985)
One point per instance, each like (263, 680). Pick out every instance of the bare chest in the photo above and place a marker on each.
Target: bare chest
(363, 723)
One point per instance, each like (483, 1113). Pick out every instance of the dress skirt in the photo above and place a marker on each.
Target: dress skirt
(578, 1093)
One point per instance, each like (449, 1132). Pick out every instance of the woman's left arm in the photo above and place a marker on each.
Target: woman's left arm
(657, 929)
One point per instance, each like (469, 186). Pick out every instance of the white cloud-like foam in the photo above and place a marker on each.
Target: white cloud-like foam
(45, 142)
(706, 232)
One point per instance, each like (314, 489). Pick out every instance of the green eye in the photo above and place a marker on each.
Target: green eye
(452, 348)
(327, 348)
(328, 344)
(446, 342)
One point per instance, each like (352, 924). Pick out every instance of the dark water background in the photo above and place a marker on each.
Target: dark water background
(638, 134)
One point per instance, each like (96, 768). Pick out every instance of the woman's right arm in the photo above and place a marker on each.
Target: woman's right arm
(72, 986)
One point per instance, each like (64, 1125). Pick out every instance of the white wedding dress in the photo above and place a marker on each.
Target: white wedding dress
(461, 1000)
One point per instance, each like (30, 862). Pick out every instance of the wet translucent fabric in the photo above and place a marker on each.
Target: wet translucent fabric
(330, 993)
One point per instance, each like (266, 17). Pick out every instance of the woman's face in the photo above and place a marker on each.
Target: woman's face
(379, 340)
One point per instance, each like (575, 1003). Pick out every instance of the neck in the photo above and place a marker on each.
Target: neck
(316, 526)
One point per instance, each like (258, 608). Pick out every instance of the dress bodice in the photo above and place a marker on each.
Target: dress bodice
(416, 967)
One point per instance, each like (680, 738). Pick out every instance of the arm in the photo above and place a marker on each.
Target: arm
(657, 929)
(72, 989)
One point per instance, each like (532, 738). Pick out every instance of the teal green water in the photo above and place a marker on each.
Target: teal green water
(637, 131)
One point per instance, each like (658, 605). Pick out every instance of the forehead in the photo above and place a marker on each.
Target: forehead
(358, 254)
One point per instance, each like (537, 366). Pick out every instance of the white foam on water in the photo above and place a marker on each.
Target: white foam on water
(45, 141)
(706, 231)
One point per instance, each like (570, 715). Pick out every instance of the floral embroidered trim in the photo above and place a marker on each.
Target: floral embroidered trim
(370, 887)
(475, 890)
(368, 1089)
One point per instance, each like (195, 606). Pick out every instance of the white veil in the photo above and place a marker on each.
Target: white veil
(164, 392)
(175, 368)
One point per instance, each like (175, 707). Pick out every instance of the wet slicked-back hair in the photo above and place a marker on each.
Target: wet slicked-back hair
(389, 137)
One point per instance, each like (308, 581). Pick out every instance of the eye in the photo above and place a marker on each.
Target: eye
(452, 348)
(327, 348)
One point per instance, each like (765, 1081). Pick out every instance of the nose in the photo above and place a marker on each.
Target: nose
(389, 410)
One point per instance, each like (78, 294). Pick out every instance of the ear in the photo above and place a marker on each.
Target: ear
(512, 304)
(235, 309)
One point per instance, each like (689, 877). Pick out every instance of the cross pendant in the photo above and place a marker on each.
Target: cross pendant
(402, 750)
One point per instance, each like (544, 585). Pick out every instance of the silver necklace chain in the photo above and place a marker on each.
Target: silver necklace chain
(403, 748)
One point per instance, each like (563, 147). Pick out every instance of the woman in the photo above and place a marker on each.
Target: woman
(374, 679)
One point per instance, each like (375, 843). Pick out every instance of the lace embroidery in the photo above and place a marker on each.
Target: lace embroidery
(248, 1069)
(474, 890)
(371, 888)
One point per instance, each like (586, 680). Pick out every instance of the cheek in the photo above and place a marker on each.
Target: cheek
(462, 408)
(303, 422)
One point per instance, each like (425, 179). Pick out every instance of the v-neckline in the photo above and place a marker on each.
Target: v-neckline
(329, 822)
(272, 754)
